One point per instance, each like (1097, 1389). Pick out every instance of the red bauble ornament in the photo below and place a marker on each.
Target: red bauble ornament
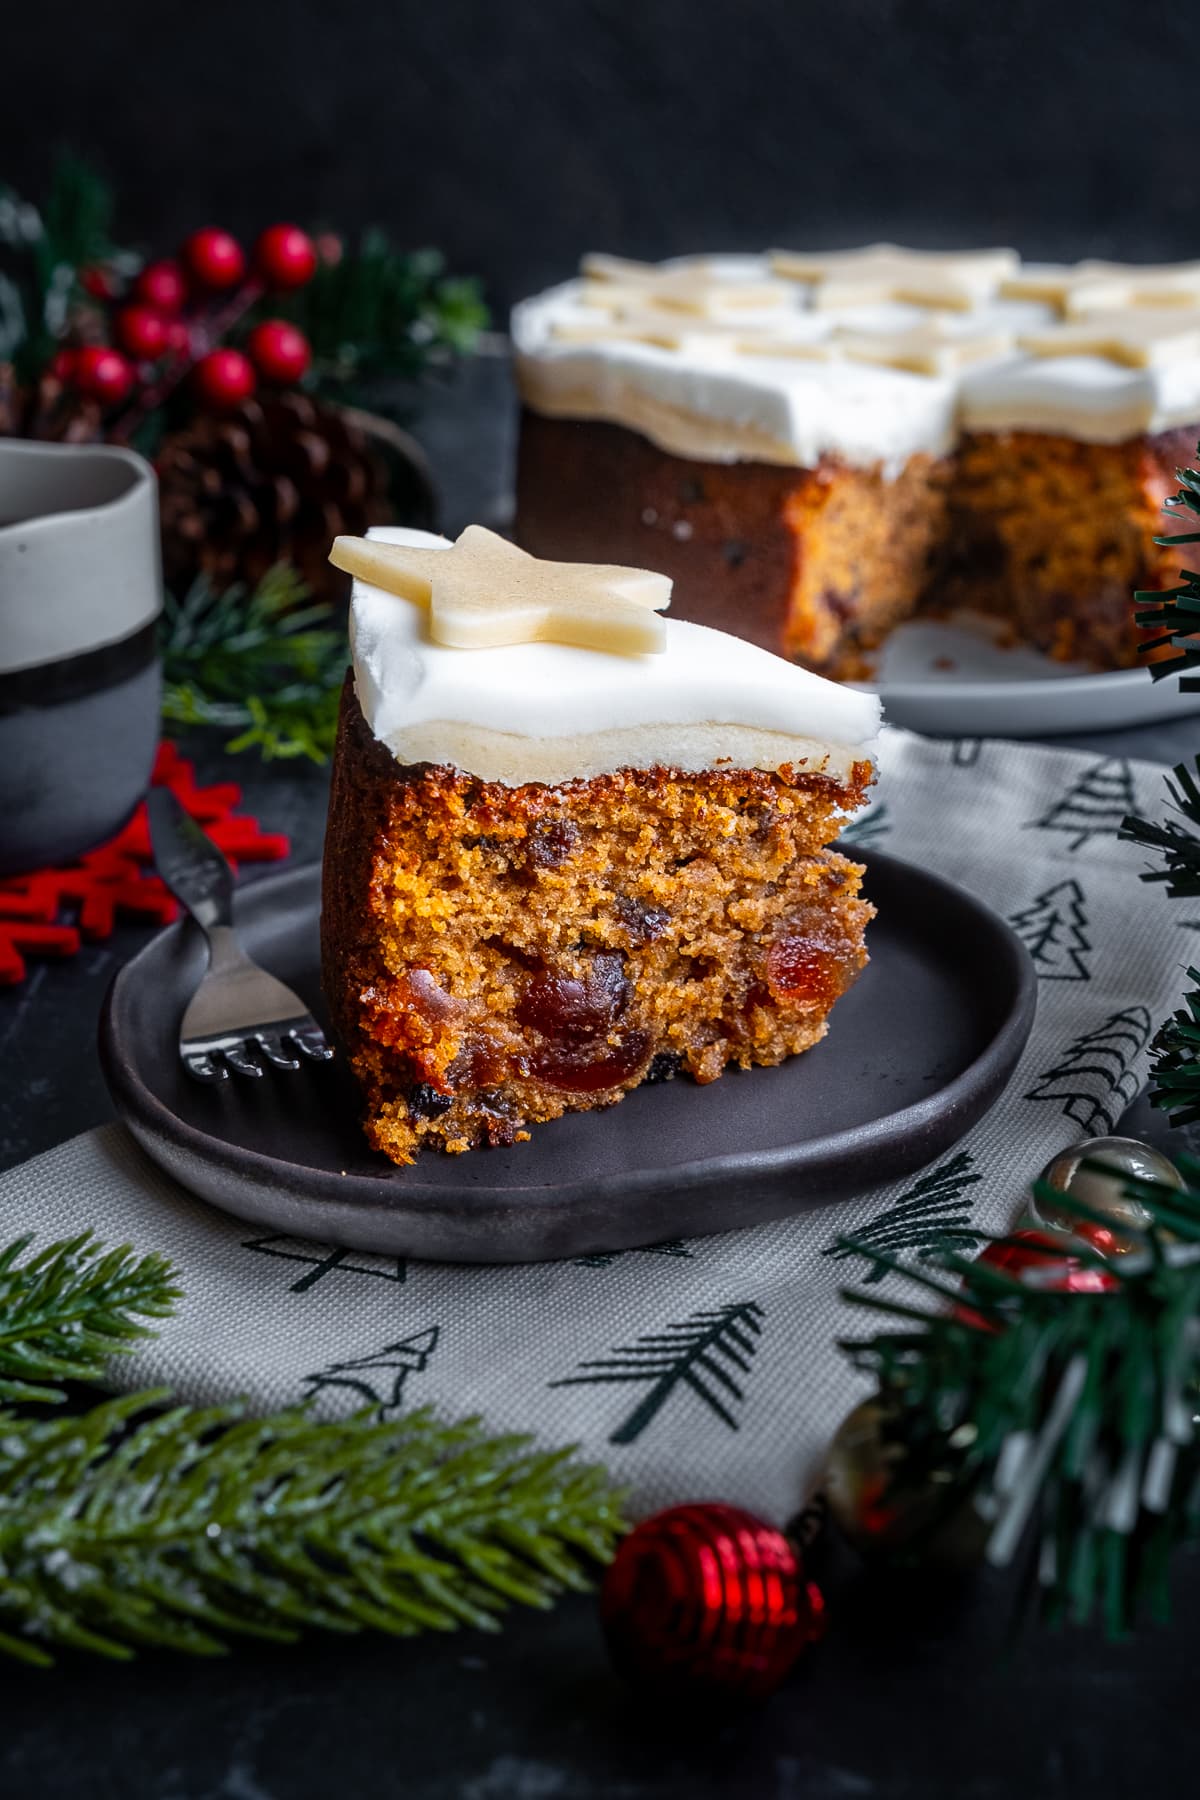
(161, 285)
(224, 379)
(1029, 1250)
(213, 259)
(102, 374)
(278, 351)
(142, 332)
(708, 1598)
(1025, 1250)
(285, 257)
(62, 364)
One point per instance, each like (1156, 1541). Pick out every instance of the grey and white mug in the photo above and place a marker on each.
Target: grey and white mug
(80, 680)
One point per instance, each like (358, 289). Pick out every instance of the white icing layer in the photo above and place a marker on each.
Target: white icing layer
(553, 713)
(710, 397)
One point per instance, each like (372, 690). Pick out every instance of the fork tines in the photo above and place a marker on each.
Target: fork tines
(281, 1046)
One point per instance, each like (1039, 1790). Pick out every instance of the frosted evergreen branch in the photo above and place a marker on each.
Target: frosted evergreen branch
(67, 1309)
(130, 1528)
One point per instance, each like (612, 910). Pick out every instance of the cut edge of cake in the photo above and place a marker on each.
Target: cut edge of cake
(507, 939)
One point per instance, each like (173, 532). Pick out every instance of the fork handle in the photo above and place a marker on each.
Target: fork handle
(191, 865)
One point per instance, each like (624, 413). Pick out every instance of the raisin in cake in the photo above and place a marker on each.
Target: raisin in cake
(555, 871)
(816, 447)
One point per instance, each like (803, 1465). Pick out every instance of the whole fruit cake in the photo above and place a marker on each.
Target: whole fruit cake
(816, 447)
(572, 846)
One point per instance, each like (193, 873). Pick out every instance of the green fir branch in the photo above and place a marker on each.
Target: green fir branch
(131, 1528)
(381, 312)
(264, 667)
(1174, 840)
(48, 249)
(1176, 1067)
(1068, 1419)
(65, 1310)
(1173, 614)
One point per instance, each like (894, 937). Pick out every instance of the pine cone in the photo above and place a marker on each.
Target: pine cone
(47, 411)
(276, 481)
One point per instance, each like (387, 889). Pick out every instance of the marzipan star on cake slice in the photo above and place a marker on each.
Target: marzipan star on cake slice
(483, 592)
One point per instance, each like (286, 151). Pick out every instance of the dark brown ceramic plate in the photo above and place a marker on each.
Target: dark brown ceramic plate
(917, 1052)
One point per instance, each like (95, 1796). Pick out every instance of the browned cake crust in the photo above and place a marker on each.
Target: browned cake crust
(1051, 534)
(497, 956)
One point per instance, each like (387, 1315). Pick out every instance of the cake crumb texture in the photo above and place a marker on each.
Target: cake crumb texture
(1049, 534)
(497, 956)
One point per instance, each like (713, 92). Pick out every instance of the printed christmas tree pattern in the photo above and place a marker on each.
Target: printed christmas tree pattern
(604, 1259)
(379, 1380)
(1093, 806)
(324, 1259)
(870, 828)
(1095, 1081)
(1054, 931)
(695, 1353)
(930, 1217)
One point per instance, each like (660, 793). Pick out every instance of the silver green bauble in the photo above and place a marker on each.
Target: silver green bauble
(1103, 1192)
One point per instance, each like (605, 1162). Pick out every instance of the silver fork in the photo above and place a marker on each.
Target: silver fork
(238, 1008)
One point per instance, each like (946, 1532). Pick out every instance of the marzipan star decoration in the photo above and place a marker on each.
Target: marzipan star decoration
(928, 349)
(1142, 339)
(955, 279)
(1104, 286)
(617, 285)
(1080, 289)
(482, 592)
(689, 335)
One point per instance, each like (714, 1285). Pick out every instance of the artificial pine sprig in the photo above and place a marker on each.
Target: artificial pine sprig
(1174, 613)
(65, 1310)
(194, 1526)
(39, 284)
(1071, 1413)
(379, 312)
(1173, 840)
(263, 666)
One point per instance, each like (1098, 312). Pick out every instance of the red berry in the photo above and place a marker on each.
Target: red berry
(224, 378)
(62, 364)
(278, 351)
(142, 332)
(98, 282)
(285, 256)
(102, 374)
(161, 285)
(213, 259)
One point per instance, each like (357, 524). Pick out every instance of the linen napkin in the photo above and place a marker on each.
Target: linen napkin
(704, 1369)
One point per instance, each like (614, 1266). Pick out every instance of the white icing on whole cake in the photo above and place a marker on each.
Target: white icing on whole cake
(797, 398)
(553, 712)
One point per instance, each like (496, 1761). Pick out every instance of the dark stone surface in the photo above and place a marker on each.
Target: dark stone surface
(917, 1694)
(516, 135)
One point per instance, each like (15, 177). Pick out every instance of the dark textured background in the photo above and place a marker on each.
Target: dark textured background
(516, 134)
